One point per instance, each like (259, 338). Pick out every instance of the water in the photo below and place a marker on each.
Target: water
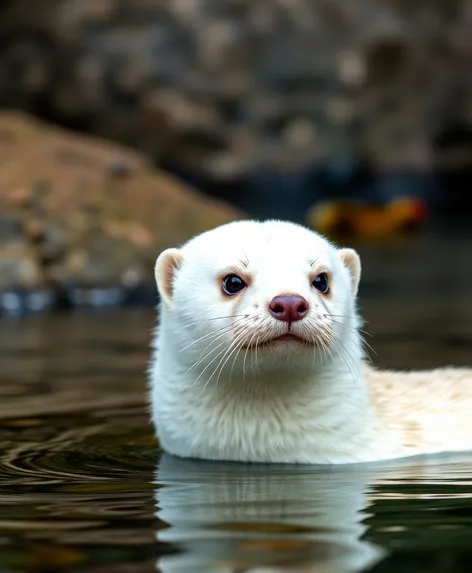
(84, 487)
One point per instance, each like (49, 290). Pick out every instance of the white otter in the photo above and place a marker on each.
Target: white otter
(258, 357)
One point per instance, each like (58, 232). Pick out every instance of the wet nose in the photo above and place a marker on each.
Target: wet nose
(288, 307)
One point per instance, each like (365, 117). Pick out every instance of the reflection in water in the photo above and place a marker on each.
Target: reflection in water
(237, 517)
(234, 517)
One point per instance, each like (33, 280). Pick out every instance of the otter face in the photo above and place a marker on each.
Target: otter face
(251, 295)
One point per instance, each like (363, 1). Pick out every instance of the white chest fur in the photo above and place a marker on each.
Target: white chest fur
(325, 418)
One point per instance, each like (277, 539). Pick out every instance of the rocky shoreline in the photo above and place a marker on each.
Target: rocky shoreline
(20, 302)
(79, 214)
(223, 88)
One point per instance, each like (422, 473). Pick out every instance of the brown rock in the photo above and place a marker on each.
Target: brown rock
(84, 210)
(18, 266)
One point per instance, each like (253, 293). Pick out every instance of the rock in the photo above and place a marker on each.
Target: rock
(85, 212)
(18, 266)
(10, 228)
(177, 79)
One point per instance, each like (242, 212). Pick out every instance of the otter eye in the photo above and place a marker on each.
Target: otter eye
(232, 284)
(321, 283)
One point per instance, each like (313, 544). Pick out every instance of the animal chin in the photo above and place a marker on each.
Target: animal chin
(289, 338)
(284, 339)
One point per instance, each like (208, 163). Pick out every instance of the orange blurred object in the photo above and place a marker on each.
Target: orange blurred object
(356, 220)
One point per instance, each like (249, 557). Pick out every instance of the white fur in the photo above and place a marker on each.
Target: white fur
(284, 402)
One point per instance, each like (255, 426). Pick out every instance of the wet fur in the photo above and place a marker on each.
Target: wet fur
(219, 391)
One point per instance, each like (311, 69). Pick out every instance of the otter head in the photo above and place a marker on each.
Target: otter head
(250, 296)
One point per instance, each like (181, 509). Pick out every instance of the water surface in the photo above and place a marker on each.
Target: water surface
(84, 487)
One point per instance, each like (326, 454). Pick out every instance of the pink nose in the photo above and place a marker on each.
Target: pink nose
(288, 307)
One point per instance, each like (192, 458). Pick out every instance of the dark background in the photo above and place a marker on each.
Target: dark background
(270, 104)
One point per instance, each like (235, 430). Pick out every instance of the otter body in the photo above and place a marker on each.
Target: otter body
(258, 357)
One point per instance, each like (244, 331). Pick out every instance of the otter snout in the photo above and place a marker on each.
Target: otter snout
(288, 307)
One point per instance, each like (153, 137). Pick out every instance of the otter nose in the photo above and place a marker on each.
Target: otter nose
(288, 307)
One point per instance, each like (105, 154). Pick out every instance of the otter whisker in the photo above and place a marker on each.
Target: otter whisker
(329, 315)
(213, 333)
(236, 355)
(255, 355)
(349, 326)
(214, 318)
(351, 329)
(209, 364)
(356, 332)
(232, 365)
(204, 356)
(324, 354)
(247, 350)
(264, 322)
(313, 364)
(352, 316)
(356, 316)
(224, 352)
(238, 349)
(344, 352)
(308, 329)
(346, 358)
(255, 318)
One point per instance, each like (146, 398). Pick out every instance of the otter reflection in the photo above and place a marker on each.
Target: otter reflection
(237, 517)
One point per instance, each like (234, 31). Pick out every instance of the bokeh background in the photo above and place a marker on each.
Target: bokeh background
(127, 126)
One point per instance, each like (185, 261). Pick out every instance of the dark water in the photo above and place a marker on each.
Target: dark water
(83, 485)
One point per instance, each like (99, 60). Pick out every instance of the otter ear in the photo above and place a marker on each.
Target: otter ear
(352, 262)
(168, 262)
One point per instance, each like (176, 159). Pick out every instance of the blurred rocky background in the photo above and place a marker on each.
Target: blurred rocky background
(270, 105)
